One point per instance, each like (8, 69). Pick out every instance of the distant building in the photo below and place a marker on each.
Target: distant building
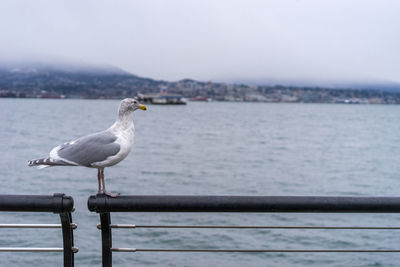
(162, 98)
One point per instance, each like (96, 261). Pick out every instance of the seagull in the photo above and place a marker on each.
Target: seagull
(97, 150)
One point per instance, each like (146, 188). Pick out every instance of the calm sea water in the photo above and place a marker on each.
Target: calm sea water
(215, 149)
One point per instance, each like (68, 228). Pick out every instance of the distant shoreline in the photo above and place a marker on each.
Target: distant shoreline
(217, 101)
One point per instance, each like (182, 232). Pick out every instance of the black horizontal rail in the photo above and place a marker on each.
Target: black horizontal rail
(182, 203)
(57, 203)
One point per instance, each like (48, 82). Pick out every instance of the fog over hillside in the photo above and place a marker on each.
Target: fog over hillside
(75, 80)
(40, 66)
(30, 68)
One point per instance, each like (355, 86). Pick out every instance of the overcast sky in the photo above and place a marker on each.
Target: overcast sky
(219, 40)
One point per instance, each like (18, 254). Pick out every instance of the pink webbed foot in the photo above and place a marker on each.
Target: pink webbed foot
(111, 194)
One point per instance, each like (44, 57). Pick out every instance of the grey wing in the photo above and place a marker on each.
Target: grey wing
(88, 149)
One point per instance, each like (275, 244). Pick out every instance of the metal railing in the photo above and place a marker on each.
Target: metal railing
(262, 204)
(57, 203)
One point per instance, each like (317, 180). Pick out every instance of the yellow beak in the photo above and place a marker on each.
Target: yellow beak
(142, 107)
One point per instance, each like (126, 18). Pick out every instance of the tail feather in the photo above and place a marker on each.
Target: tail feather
(46, 162)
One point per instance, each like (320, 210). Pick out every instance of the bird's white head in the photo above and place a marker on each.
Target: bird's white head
(129, 105)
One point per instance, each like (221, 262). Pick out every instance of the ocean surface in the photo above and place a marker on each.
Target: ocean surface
(213, 149)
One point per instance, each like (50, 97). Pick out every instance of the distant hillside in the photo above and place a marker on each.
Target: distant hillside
(72, 79)
(44, 80)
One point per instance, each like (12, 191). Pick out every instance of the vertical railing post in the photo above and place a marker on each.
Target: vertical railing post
(105, 221)
(105, 226)
(68, 239)
(67, 230)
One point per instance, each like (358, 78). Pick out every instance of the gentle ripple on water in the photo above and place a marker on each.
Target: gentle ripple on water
(209, 148)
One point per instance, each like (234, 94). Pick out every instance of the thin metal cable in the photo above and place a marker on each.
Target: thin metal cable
(132, 226)
(15, 249)
(258, 250)
(27, 249)
(73, 225)
(30, 225)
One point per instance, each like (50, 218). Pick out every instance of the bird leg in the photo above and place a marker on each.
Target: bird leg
(104, 186)
(99, 180)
